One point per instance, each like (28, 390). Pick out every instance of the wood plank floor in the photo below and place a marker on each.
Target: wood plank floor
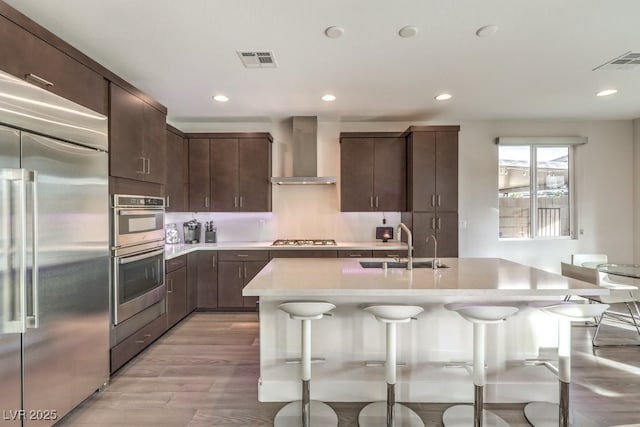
(204, 373)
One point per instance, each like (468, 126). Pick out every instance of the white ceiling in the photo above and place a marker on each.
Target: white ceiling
(538, 65)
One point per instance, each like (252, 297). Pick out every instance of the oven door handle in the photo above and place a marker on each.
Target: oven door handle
(127, 260)
(140, 212)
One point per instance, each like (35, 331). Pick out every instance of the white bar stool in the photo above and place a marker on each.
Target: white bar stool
(306, 412)
(541, 414)
(390, 413)
(479, 314)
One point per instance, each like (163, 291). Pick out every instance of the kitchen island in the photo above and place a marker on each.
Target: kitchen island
(428, 345)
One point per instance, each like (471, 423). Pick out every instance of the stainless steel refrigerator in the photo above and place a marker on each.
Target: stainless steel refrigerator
(54, 254)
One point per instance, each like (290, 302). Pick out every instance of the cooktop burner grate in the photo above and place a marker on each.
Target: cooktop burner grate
(304, 242)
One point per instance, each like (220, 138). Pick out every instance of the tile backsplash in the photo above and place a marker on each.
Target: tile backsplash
(268, 226)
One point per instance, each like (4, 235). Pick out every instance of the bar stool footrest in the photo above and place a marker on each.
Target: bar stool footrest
(375, 415)
(290, 415)
(379, 363)
(297, 361)
(462, 416)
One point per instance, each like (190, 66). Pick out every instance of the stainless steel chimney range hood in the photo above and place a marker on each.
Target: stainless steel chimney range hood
(305, 155)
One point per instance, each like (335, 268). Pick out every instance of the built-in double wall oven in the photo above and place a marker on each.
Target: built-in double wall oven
(138, 254)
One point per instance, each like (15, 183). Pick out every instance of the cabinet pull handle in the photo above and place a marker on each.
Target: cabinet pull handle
(33, 78)
(392, 255)
(371, 202)
(242, 255)
(148, 166)
(239, 272)
(241, 203)
(144, 339)
(213, 261)
(144, 170)
(438, 202)
(245, 271)
(355, 255)
(439, 223)
(206, 201)
(433, 223)
(376, 202)
(433, 200)
(167, 202)
(170, 290)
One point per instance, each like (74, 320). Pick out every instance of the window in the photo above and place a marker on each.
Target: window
(534, 189)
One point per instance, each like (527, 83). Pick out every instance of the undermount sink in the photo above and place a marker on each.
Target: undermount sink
(395, 264)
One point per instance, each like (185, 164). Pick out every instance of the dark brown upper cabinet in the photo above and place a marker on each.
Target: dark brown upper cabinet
(432, 189)
(432, 170)
(28, 57)
(137, 136)
(372, 172)
(230, 173)
(199, 176)
(176, 188)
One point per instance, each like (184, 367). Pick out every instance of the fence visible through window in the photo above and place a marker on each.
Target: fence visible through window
(549, 222)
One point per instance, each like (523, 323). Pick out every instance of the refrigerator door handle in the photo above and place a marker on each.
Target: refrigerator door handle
(33, 319)
(15, 322)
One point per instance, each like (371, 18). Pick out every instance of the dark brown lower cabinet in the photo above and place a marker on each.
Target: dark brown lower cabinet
(303, 253)
(124, 351)
(354, 253)
(206, 279)
(386, 253)
(443, 225)
(192, 281)
(232, 277)
(176, 282)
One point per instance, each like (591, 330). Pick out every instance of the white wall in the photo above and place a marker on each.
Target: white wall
(604, 187)
(636, 182)
(604, 192)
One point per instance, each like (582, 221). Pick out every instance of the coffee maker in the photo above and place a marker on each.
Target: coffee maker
(192, 231)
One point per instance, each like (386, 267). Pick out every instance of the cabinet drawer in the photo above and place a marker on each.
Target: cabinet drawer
(175, 263)
(303, 253)
(402, 253)
(123, 352)
(243, 255)
(355, 253)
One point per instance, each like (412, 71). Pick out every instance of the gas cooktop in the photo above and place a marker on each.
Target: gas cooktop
(304, 242)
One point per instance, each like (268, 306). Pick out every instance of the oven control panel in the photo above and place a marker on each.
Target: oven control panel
(121, 200)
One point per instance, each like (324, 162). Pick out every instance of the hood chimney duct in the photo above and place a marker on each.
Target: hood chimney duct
(304, 140)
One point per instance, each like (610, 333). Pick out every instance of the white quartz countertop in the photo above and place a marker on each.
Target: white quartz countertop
(472, 277)
(173, 251)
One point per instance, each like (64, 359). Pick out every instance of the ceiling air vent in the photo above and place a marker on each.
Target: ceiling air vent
(260, 59)
(626, 61)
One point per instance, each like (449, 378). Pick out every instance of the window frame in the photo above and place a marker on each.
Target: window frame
(533, 144)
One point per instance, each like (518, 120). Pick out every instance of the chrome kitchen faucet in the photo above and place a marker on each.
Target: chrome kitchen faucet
(436, 261)
(409, 243)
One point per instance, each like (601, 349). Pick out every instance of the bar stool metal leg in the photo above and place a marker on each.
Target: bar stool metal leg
(464, 415)
(547, 414)
(389, 413)
(476, 415)
(306, 412)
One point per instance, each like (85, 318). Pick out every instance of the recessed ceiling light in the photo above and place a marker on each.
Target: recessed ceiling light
(443, 97)
(334, 32)
(487, 31)
(606, 92)
(221, 98)
(408, 31)
(328, 97)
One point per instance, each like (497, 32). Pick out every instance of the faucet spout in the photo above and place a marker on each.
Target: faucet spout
(401, 227)
(435, 261)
